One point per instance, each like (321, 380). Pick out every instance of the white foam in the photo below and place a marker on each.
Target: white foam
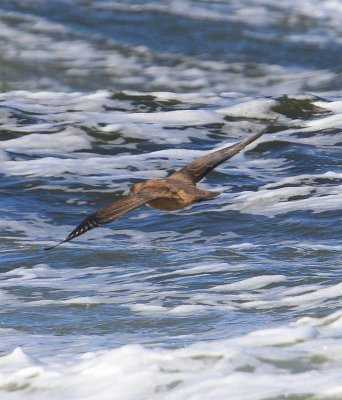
(148, 308)
(187, 309)
(256, 282)
(142, 295)
(272, 201)
(329, 122)
(301, 301)
(304, 178)
(335, 105)
(71, 139)
(302, 358)
(205, 268)
(181, 117)
(84, 164)
(249, 108)
(128, 67)
(312, 246)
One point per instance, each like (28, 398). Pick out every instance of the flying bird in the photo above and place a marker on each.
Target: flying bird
(178, 190)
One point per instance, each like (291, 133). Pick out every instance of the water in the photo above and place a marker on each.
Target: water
(236, 298)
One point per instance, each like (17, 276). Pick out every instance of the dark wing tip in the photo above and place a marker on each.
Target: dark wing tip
(86, 225)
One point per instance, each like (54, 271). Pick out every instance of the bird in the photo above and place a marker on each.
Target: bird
(177, 191)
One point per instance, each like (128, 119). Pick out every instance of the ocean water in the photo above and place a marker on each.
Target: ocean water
(236, 298)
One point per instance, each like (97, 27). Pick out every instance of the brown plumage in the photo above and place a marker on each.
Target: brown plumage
(174, 192)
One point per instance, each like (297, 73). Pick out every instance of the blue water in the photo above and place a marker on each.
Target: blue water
(97, 95)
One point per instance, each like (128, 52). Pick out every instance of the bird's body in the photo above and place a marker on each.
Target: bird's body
(172, 194)
(176, 191)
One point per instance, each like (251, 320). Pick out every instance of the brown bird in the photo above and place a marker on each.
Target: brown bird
(176, 191)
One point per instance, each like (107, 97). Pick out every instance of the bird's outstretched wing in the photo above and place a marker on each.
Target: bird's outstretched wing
(197, 169)
(108, 214)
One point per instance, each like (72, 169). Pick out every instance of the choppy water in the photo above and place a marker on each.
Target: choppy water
(236, 298)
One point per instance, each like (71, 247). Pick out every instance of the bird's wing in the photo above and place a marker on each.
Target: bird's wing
(197, 169)
(109, 213)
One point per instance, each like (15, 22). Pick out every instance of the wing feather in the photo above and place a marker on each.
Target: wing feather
(197, 169)
(108, 214)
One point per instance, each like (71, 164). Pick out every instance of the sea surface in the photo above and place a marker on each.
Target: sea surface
(237, 298)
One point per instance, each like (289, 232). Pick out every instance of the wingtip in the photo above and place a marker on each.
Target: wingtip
(272, 122)
(54, 246)
(86, 225)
